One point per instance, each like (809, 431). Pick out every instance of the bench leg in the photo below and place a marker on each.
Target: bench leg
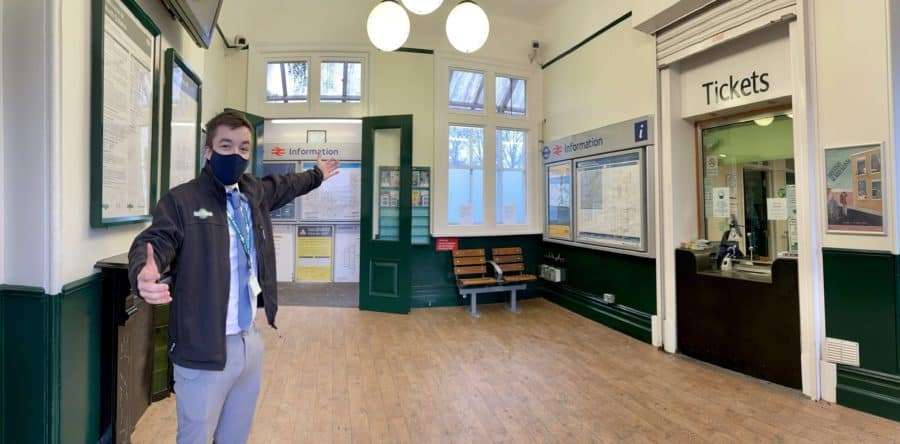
(473, 310)
(512, 301)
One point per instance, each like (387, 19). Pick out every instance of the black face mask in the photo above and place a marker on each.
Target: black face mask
(227, 168)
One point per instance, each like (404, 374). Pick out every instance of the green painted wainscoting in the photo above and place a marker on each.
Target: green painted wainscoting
(591, 273)
(862, 305)
(51, 363)
(433, 284)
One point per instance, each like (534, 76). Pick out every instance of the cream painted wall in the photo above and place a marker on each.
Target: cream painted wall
(572, 21)
(610, 79)
(854, 103)
(403, 83)
(82, 245)
(26, 141)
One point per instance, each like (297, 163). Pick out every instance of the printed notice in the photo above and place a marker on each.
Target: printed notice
(721, 202)
(314, 253)
(127, 114)
(183, 143)
(283, 236)
(777, 208)
(346, 253)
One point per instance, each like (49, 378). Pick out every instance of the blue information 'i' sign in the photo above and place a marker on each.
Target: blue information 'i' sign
(640, 131)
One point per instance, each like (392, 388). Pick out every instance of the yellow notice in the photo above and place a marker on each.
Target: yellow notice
(558, 230)
(314, 253)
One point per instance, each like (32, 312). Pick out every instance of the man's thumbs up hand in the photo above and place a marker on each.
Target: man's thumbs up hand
(148, 286)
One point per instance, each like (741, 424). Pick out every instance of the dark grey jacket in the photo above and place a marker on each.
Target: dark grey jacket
(190, 240)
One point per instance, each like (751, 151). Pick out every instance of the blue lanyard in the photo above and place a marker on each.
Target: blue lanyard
(244, 240)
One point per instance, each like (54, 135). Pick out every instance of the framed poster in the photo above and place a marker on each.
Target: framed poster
(336, 200)
(854, 199)
(559, 200)
(287, 213)
(125, 60)
(610, 200)
(181, 123)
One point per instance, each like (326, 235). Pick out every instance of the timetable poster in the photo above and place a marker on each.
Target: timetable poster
(337, 199)
(183, 142)
(287, 212)
(314, 253)
(285, 238)
(610, 200)
(346, 253)
(128, 52)
(559, 200)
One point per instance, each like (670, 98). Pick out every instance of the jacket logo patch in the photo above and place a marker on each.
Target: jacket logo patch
(202, 213)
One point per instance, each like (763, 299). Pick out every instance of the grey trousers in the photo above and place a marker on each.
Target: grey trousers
(220, 404)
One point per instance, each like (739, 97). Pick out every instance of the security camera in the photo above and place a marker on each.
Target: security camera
(535, 52)
(241, 42)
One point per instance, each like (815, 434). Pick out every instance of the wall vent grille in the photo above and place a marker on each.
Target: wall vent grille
(840, 351)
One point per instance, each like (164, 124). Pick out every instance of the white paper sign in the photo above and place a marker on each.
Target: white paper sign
(776, 208)
(346, 253)
(721, 202)
(284, 237)
(712, 166)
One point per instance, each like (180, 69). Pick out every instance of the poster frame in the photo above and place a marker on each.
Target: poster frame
(173, 60)
(286, 220)
(884, 201)
(98, 19)
(642, 156)
(546, 209)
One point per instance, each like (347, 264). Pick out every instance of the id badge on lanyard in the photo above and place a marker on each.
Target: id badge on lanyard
(244, 240)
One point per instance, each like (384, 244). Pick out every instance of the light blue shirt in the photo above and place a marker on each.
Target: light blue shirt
(231, 321)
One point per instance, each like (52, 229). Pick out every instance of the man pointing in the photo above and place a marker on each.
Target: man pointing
(212, 239)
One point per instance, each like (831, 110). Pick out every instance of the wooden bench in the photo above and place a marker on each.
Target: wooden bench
(470, 267)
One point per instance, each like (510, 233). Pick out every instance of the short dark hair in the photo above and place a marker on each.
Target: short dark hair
(231, 119)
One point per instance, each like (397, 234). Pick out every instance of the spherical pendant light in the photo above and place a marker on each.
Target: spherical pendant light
(422, 7)
(467, 27)
(388, 25)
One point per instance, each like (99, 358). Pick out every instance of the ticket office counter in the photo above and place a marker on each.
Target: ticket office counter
(744, 321)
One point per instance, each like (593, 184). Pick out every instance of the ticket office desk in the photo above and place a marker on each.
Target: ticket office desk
(746, 322)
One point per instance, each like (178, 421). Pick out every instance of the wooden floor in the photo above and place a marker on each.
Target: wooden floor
(545, 375)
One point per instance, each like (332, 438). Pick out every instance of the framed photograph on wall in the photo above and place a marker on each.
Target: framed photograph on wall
(854, 199)
(125, 59)
(182, 99)
(316, 136)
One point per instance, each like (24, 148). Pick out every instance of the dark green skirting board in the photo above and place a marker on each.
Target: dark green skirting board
(862, 305)
(50, 360)
(625, 319)
(869, 391)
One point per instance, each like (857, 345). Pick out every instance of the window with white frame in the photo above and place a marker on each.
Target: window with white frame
(341, 82)
(466, 90)
(510, 95)
(465, 204)
(287, 82)
(512, 180)
(487, 169)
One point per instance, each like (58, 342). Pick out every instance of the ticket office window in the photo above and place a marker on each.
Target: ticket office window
(748, 185)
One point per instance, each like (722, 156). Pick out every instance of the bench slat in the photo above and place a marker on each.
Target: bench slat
(468, 252)
(507, 259)
(520, 278)
(477, 281)
(474, 260)
(468, 271)
(506, 251)
(512, 267)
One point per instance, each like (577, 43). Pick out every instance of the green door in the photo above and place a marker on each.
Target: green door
(385, 222)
